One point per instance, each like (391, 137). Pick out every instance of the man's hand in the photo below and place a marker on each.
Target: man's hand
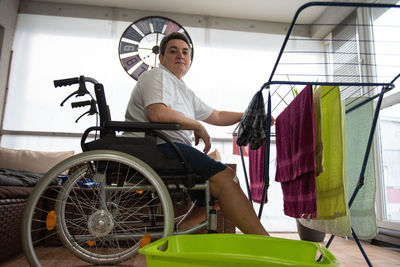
(272, 119)
(201, 133)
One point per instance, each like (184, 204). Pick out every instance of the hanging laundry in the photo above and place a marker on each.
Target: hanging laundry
(252, 126)
(362, 211)
(256, 173)
(331, 183)
(236, 148)
(319, 146)
(333, 214)
(295, 148)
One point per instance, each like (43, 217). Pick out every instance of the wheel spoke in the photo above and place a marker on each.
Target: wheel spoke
(100, 214)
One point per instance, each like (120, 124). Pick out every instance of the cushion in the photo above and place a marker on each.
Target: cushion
(29, 160)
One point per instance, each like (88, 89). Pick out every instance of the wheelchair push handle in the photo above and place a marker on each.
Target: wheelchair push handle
(81, 80)
(70, 81)
(66, 82)
(93, 109)
(81, 104)
(82, 91)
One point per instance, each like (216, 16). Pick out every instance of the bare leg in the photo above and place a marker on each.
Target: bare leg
(234, 204)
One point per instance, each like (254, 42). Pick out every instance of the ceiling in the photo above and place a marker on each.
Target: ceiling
(263, 10)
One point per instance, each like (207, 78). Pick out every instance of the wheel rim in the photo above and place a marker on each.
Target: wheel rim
(105, 220)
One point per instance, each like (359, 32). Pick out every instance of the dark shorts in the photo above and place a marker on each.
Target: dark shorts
(201, 164)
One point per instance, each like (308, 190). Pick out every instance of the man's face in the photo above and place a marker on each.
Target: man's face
(176, 57)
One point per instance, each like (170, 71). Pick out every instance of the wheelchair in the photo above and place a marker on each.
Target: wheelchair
(99, 205)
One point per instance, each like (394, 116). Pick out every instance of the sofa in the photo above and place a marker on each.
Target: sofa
(20, 170)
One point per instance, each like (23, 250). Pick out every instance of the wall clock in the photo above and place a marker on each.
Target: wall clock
(139, 44)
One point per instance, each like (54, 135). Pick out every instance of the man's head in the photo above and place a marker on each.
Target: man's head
(176, 54)
(173, 36)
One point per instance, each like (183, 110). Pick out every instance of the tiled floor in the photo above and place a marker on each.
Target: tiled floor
(346, 251)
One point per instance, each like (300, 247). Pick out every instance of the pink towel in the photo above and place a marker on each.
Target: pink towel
(236, 148)
(295, 149)
(256, 173)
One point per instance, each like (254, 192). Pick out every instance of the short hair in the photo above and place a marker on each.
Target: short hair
(174, 36)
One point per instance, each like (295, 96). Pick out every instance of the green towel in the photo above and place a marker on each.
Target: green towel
(319, 147)
(333, 213)
(331, 193)
(362, 211)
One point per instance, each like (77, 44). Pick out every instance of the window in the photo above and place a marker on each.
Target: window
(390, 150)
(388, 56)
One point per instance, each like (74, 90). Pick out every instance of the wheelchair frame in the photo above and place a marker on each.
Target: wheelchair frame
(98, 210)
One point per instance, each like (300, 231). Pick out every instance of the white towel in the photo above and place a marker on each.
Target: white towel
(362, 212)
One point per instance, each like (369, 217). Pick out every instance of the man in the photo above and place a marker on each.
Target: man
(160, 95)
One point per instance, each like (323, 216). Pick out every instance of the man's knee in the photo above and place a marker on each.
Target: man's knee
(226, 177)
(233, 174)
(226, 174)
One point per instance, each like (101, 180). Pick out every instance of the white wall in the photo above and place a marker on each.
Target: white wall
(8, 19)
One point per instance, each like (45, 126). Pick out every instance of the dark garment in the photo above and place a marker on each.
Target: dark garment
(200, 163)
(252, 126)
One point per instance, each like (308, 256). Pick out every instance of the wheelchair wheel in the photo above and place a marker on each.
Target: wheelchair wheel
(96, 206)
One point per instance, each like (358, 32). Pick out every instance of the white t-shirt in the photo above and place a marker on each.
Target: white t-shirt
(159, 85)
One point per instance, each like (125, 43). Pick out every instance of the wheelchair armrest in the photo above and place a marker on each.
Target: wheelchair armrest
(139, 126)
(151, 130)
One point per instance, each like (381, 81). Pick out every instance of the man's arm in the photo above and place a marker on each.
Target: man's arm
(223, 118)
(159, 112)
(227, 118)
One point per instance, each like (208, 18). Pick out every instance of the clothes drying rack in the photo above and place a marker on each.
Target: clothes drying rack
(338, 49)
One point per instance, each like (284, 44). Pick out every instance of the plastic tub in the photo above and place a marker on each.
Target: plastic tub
(234, 250)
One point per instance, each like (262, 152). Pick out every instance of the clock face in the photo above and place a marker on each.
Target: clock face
(139, 45)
